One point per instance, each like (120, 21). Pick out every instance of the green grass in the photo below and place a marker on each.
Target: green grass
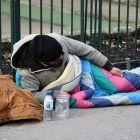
(46, 14)
(56, 16)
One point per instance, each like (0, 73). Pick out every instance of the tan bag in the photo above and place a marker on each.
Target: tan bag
(16, 103)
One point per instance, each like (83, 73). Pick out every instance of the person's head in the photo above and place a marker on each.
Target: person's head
(46, 50)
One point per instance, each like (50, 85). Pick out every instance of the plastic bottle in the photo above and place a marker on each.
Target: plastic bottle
(62, 105)
(48, 107)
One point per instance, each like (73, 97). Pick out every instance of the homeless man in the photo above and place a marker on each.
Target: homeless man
(41, 59)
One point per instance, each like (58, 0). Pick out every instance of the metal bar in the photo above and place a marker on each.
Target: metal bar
(109, 30)
(12, 21)
(71, 18)
(128, 63)
(62, 17)
(91, 19)
(118, 35)
(100, 26)
(0, 40)
(41, 17)
(127, 24)
(123, 62)
(30, 18)
(15, 21)
(136, 24)
(86, 7)
(95, 22)
(82, 20)
(51, 16)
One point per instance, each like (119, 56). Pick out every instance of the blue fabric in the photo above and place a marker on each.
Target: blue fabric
(99, 97)
(133, 78)
(92, 93)
(18, 79)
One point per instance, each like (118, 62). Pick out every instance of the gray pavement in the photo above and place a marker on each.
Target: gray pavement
(109, 123)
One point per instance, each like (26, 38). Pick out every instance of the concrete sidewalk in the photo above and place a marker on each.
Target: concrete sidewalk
(109, 123)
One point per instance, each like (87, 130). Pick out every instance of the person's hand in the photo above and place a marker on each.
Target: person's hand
(64, 93)
(116, 71)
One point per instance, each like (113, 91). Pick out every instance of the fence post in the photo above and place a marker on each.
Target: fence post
(41, 17)
(15, 21)
(0, 40)
(82, 20)
(128, 63)
(51, 16)
(62, 14)
(100, 26)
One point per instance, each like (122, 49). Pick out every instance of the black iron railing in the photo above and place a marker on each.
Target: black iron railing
(90, 21)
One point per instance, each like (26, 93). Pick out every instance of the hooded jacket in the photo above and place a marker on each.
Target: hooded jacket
(34, 76)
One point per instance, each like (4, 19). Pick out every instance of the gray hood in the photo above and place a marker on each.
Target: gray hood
(21, 56)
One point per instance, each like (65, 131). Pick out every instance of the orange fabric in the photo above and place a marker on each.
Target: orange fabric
(16, 103)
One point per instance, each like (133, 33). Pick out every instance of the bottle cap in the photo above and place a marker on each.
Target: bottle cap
(49, 92)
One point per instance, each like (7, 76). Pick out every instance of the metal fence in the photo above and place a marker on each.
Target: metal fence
(113, 27)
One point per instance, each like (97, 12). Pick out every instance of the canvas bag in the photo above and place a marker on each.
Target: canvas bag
(16, 103)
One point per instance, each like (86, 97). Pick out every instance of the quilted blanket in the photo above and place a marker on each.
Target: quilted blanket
(91, 86)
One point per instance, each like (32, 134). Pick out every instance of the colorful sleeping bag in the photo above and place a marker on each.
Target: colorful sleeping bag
(91, 86)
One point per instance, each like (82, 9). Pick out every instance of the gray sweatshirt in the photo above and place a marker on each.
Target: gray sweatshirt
(36, 80)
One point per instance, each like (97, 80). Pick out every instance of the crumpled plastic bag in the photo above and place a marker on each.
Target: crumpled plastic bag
(16, 103)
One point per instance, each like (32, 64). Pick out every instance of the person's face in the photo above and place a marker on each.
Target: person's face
(56, 63)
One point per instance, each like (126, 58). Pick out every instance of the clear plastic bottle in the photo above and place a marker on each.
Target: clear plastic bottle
(62, 105)
(48, 107)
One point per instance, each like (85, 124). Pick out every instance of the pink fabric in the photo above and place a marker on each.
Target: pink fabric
(121, 83)
(76, 89)
(80, 100)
